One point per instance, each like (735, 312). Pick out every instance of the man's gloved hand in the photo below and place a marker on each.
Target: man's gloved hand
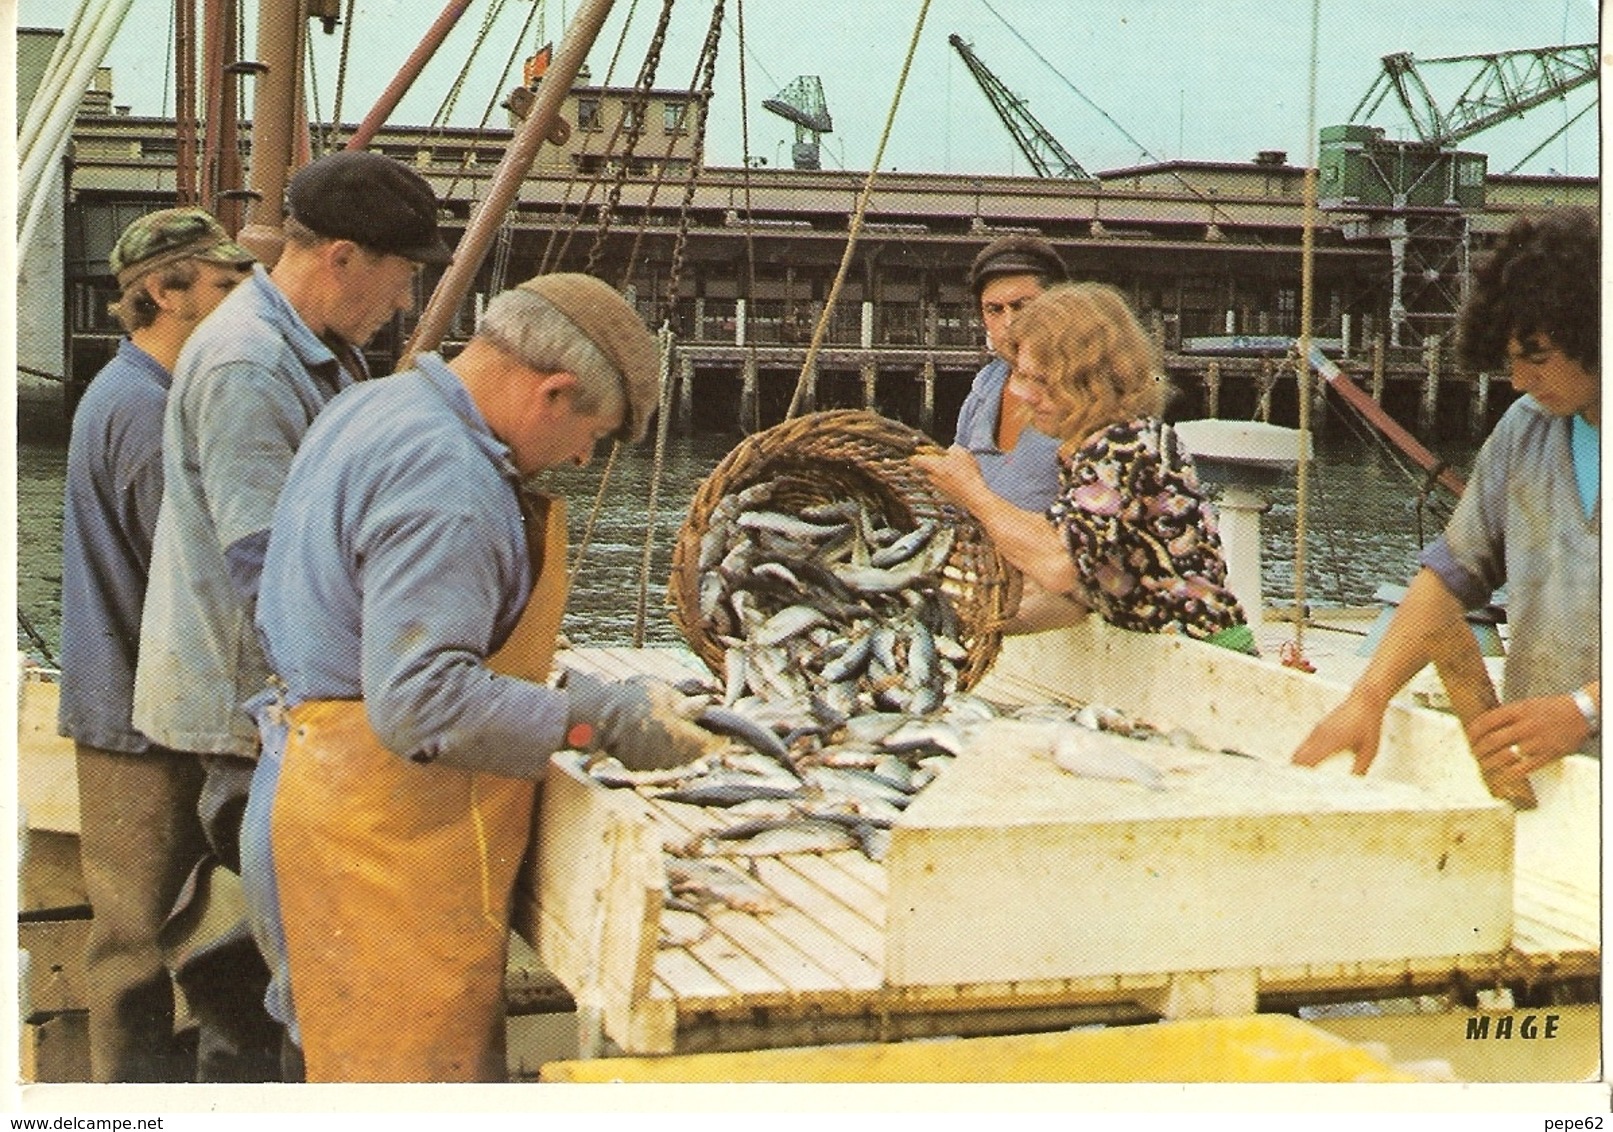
(642, 721)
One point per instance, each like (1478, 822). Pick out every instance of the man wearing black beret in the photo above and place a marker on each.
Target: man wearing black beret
(359, 228)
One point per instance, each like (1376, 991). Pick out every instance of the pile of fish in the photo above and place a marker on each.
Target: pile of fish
(829, 602)
(805, 784)
(839, 695)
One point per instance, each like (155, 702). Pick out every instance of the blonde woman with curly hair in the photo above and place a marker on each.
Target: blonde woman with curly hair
(1131, 534)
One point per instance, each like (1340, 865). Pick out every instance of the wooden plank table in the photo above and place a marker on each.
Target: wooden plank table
(812, 971)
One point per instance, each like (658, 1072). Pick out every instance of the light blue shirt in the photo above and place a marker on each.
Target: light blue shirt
(114, 486)
(397, 564)
(1587, 443)
(1027, 476)
(249, 381)
(1520, 523)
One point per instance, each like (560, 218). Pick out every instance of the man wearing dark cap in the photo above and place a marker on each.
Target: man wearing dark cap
(359, 228)
(139, 833)
(411, 602)
(1018, 462)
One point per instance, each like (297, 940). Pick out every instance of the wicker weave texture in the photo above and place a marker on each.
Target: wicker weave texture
(848, 454)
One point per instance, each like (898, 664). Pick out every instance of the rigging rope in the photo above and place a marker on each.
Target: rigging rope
(744, 142)
(341, 78)
(705, 71)
(1215, 212)
(451, 99)
(1303, 361)
(314, 126)
(632, 119)
(168, 63)
(662, 414)
(699, 95)
(469, 156)
(550, 255)
(856, 221)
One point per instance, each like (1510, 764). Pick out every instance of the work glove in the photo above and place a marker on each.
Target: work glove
(644, 722)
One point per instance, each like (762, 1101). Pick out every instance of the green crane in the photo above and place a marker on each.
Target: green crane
(1041, 149)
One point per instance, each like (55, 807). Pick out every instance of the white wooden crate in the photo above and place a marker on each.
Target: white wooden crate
(1008, 867)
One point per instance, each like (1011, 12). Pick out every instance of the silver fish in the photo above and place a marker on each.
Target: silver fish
(873, 580)
(831, 513)
(1079, 751)
(710, 882)
(778, 572)
(790, 527)
(915, 736)
(725, 793)
(771, 837)
(852, 662)
(713, 545)
(903, 547)
(726, 721)
(871, 727)
(786, 623)
(735, 565)
(734, 675)
(848, 782)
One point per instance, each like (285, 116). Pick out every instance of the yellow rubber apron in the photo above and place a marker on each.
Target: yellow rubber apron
(396, 878)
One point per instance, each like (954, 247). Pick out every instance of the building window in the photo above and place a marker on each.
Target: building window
(672, 115)
(588, 113)
(630, 116)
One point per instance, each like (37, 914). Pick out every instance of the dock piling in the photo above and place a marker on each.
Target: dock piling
(927, 398)
(1428, 407)
(1478, 410)
(749, 403)
(685, 418)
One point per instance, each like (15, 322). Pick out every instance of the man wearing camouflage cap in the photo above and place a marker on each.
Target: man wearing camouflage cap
(411, 602)
(139, 834)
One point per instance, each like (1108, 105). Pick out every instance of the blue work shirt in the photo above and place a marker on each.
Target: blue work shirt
(249, 381)
(114, 487)
(1028, 475)
(1521, 524)
(397, 564)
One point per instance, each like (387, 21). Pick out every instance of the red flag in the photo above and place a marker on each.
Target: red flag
(533, 69)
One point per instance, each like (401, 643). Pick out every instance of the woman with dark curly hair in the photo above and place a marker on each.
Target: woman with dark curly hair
(1130, 533)
(1530, 518)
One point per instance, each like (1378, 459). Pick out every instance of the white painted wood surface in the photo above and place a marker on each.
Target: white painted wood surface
(1010, 867)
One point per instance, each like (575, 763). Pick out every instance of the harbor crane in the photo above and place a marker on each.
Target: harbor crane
(1417, 192)
(1504, 85)
(802, 103)
(1041, 148)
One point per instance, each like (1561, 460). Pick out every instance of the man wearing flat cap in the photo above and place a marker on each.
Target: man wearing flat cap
(1019, 463)
(359, 228)
(139, 834)
(412, 597)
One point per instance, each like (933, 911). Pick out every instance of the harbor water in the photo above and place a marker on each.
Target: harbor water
(1364, 528)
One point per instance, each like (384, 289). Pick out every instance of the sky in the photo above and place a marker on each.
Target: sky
(1117, 83)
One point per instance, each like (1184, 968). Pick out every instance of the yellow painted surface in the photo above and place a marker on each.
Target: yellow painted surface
(1535, 1044)
(1258, 1048)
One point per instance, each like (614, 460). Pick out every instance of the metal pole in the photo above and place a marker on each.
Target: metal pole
(274, 114)
(185, 101)
(412, 66)
(505, 185)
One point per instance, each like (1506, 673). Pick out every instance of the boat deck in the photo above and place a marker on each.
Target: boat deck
(812, 971)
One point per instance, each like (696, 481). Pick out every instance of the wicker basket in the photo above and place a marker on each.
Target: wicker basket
(858, 455)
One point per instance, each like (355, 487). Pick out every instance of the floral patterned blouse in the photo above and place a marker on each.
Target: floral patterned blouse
(1144, 538)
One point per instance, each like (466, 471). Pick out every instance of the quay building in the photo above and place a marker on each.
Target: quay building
(739, 262)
